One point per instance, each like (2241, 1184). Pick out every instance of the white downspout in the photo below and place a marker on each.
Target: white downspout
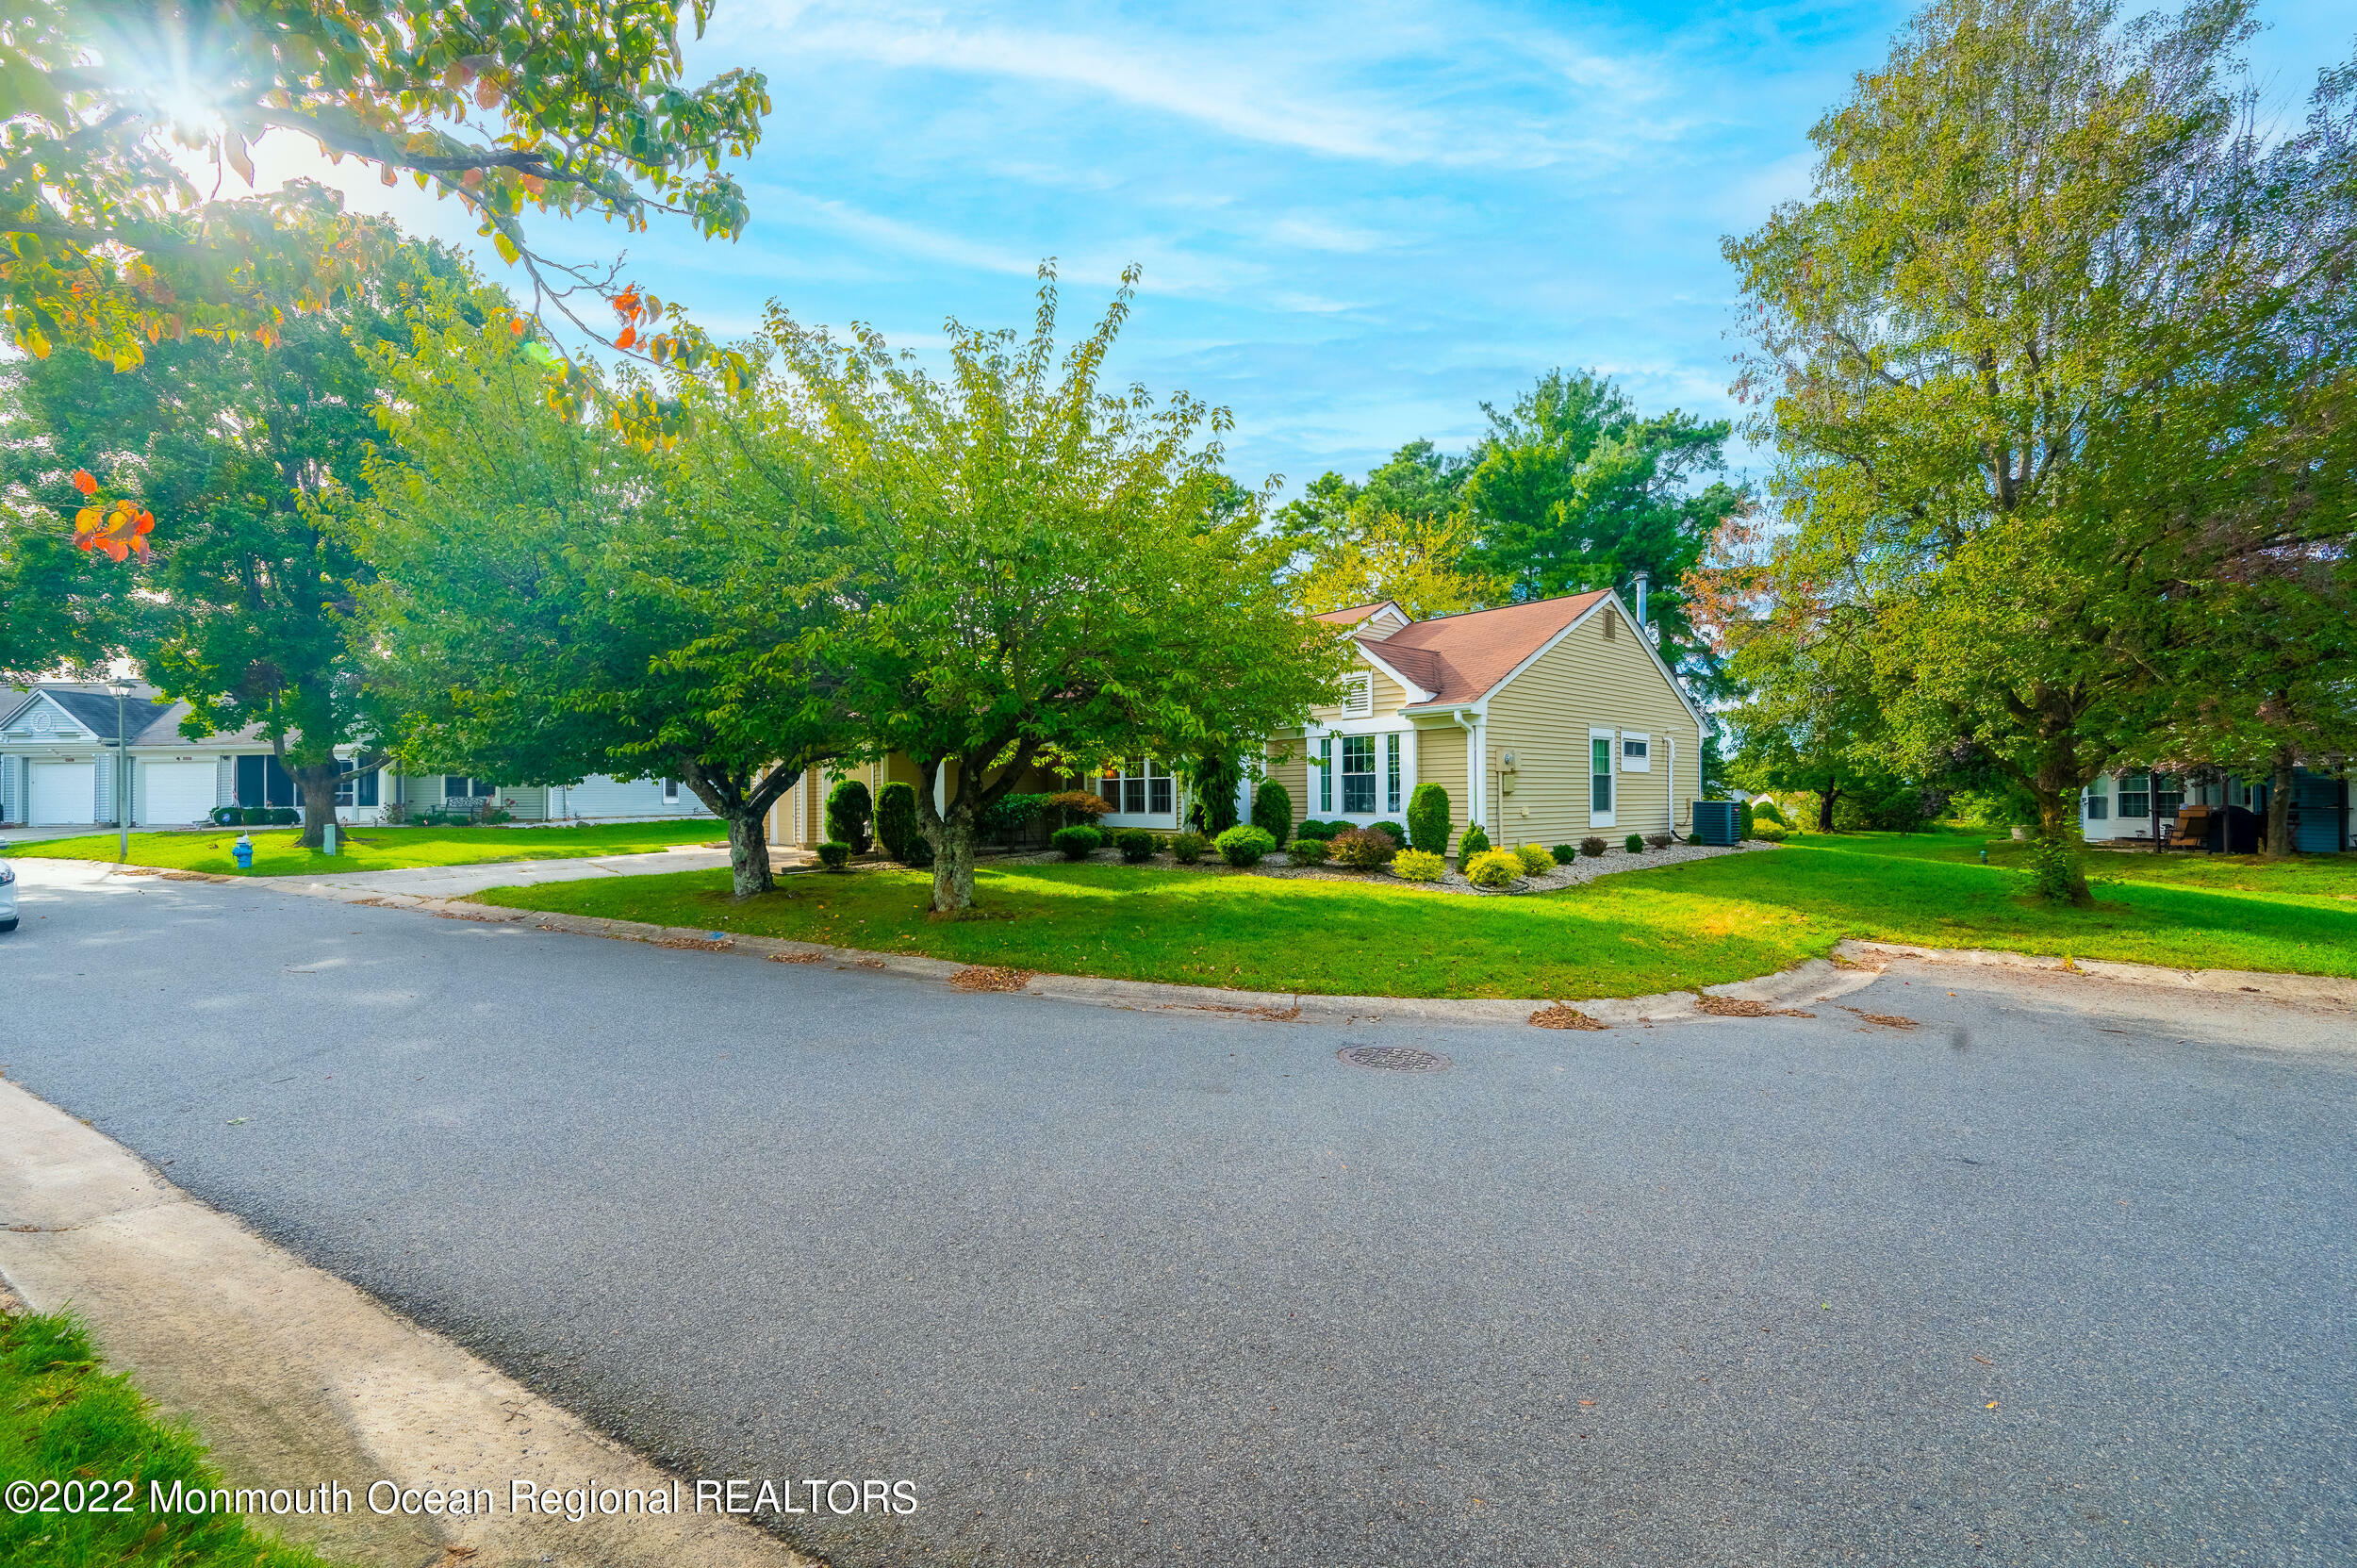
(1673, 762)
(1475, 762)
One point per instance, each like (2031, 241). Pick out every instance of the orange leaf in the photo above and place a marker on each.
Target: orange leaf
(630, 335)
(84, 483)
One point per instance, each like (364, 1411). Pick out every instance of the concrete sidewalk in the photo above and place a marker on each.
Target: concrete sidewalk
(434, 882)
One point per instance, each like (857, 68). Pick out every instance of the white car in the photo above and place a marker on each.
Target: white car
(8, 893)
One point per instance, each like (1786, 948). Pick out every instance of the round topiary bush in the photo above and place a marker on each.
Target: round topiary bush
(1475, 842)
(848, 812)
(1364, 848)
(1494, 869)
(1312, 828)
(283, 816)
(1273, 812)
(1135, 843)
(1418, 865)
(834, 855)
(1428, 818)
(1245, 845)
(1768, 811)
(1307, 850)
(1634, 843)
(1076, 843)
(1592, 844)
(1536, 858)
(1564, 853)
(896, 821)
(1767, 832)
(1397, 834)
(1746, 818)
(1187, 849)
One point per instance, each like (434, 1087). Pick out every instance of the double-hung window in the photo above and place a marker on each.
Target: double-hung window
(1600, 777)
(2099, 799)
(1357, 775)
(1325, 773)
(354, 788)
(2135, 796)
(2171, 788)
(671, 792)
(1391, 773)
(1136, 786)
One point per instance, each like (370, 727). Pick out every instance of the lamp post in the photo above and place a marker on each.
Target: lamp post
(122, 762)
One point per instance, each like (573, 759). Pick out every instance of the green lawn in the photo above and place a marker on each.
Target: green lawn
(278, 854)
(1697, 924)
(62, 1419)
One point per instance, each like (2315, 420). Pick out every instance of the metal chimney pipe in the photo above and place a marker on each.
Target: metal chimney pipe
(1642, 580)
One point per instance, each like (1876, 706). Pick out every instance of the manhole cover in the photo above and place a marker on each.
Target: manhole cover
(1393, 1059)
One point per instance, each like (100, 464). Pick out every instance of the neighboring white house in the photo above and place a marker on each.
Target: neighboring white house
(2125, 806)
(60, 763)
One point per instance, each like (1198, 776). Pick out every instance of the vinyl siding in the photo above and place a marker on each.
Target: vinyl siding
(1389, 697)
(1441, 760)
(1543, 716)
(1294, 774)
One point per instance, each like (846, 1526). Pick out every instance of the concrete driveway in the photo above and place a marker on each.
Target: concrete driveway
(2060, 1275)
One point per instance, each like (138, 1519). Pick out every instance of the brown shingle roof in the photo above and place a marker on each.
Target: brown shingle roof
(1351, 617)
(1460, 658)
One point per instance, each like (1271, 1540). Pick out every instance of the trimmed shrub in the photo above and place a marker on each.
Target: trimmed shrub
(496, 815)
(1768, 811)
(1076, 808)
(1003, 818)
(1660, 840)
(1494, 869)
(1475, 842)
(1746, 818)
(1564, 853)
(1767, 832)
(1634, 843)
(1537, 859)
(1418, 865)
(283, 816)
(850, 810)
(1316, 828)
(1592, 844)
(226, 817)
(1307, 850)
(1428, 818)
(835, 855)
(1273, 811)
(1243, 844)
(1135, 843)
(1077, 842)
(1398, 834)
(1364, 848)
(896, 819)
(1187, 849)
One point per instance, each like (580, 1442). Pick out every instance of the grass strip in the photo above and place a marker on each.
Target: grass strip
(276, 853)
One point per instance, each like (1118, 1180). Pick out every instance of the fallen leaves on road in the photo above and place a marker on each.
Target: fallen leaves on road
(984, 977)
(1557, 1016)
(1737, 1007)
(700, 943)
(798, 958)
(1888, 1021)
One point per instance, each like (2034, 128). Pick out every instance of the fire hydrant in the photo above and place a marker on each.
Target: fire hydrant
(243, 849)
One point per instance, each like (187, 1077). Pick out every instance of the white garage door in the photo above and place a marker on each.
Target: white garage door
(63, 792)
(174, 792)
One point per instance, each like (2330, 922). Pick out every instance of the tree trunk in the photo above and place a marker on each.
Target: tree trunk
(748, 853)
(953, 838)
(1824, 808)
(317, 787)
(2279, 808)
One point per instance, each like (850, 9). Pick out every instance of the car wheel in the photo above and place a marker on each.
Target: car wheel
(7, 925)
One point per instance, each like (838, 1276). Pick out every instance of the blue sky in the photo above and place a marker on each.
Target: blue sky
(1356, 222)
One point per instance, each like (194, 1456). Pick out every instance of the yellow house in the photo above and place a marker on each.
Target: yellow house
(1545, 722)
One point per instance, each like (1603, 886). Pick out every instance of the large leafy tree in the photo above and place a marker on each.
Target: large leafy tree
(244, 609)
(1402, 535)
(553, 599)
(2055, 346)
(1573, 489)
(1047, 570)
(505, 105)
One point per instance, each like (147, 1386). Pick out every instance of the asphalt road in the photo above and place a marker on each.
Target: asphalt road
(2063, 1275)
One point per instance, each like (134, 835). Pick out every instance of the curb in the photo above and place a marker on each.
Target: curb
(295, 1378)
(2308, 989)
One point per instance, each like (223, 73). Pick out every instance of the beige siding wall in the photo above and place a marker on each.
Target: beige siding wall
(1390, 696)
(1441, 760)
(1294, 774)
(1544, 716)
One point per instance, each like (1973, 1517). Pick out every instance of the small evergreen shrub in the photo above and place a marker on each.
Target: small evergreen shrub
(1076, 843)
(1187, 849)
(1592, 844)
(1537, 859)
(1243, 844)
(1564, 853)
(1660, 840)
(895, 820)
(1634, 843)
(496, 815)
(1428, 818)
(848, 812)
(835, 855)
(1746, 818)
(1494, 869)
(1135, 843)
(1273, 812)
(1307, 849)
(1316, 828)
(1767, 832)
(1419, 865)
(1768, 811)
(1364, 848)
(226, 817)
(1475, 842)
(1398, 835)
(283, 816)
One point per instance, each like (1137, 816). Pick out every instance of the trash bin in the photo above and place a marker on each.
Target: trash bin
(1714, 822)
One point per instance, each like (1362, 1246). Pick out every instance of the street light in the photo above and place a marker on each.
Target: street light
(123, 761)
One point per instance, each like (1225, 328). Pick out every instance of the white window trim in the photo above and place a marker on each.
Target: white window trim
(671, 792)
(1319, 741)
(1148, 817)
(1612, 740)
(1636, 764)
